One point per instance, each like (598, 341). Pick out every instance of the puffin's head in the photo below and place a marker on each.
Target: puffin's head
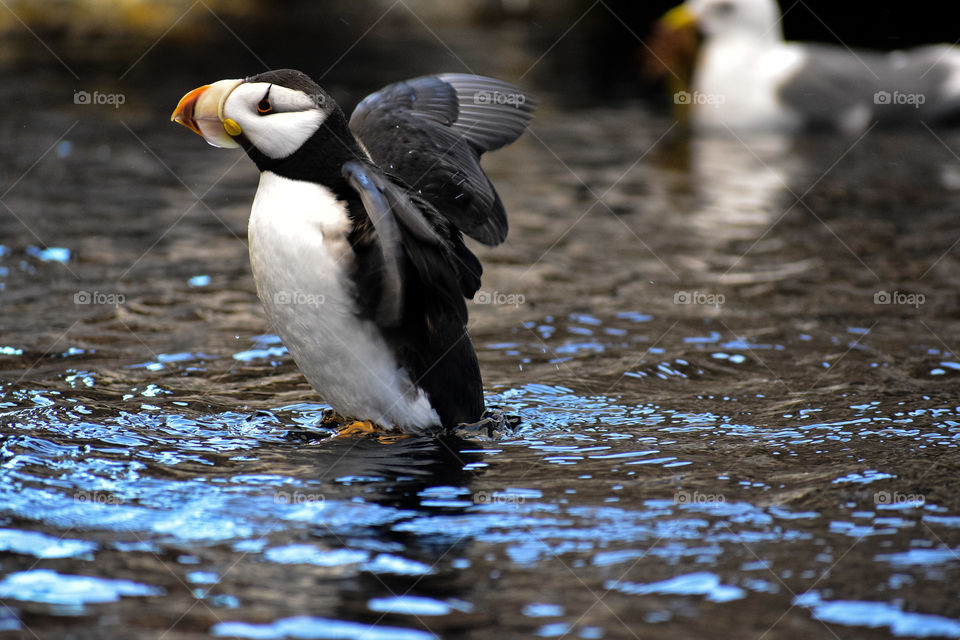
(721, 18)
(270, 115)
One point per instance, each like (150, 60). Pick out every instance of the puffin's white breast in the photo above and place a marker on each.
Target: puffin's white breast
(301, 261)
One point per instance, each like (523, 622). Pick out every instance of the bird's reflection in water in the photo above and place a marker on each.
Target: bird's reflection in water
(395, 472)
(729, 191)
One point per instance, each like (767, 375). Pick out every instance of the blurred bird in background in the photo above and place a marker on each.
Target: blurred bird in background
(730, 68)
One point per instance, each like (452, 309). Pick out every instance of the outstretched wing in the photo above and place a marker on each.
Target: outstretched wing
(431, 131)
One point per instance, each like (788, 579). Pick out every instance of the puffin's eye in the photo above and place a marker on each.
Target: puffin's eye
(264, 107)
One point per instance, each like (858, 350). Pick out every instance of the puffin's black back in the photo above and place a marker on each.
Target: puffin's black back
(432, 340)
(430, 336)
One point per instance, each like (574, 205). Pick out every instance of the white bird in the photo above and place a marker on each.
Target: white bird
(747, 78)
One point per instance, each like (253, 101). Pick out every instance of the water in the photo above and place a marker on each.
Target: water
(734, 362)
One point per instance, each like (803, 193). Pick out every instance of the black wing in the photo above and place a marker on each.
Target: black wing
(430, 132)
(426, 272)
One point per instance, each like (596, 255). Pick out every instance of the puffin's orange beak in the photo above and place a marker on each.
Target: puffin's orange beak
(201, 111)
(184, 113)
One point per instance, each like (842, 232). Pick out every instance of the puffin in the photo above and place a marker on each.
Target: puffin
(356, 232)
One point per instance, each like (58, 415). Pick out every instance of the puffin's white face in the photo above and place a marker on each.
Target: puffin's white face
(275, 119)
(737, 17)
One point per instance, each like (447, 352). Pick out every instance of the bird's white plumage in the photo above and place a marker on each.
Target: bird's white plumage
(737, 81)
(743, 62)
(295, 117)
(754, 19)
(301, 260)
(949, 56)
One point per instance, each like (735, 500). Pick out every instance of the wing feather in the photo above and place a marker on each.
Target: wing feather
(430, 133)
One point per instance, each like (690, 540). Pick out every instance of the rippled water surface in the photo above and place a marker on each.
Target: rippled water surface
(734, 363)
